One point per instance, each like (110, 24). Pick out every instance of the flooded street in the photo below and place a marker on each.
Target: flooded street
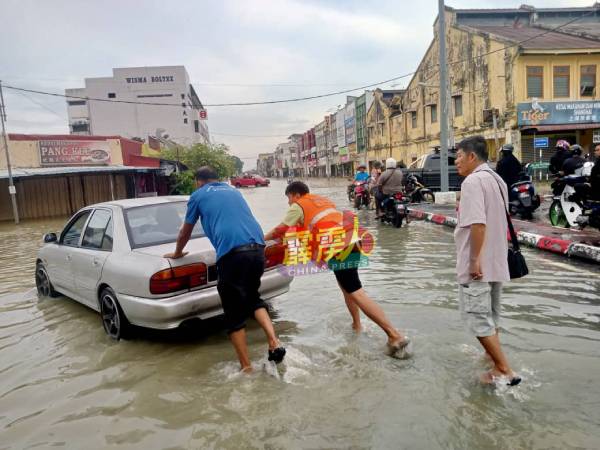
(63, 383)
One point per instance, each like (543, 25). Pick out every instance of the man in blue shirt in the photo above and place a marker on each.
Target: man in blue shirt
(362, 174)
(238, 239)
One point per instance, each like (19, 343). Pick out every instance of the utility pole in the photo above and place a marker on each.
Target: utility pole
(443, 99)
(11, 186)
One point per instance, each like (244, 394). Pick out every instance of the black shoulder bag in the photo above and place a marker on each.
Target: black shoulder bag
(517, 266)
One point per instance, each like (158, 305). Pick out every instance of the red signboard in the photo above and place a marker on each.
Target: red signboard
(203, 114)
(74, 153)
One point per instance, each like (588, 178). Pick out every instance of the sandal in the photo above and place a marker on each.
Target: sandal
(398, 350)
(277, 354)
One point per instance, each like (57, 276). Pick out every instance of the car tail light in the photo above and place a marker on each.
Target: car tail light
(178, 278)
(274, 255)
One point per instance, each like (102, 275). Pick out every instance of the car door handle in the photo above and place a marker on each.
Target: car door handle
(95, 261)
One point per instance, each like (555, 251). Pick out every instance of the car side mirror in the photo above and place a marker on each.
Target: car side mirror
(50, 237)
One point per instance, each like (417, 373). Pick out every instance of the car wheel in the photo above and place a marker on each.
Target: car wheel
(257, 184)
(42, 282)
(238, 185)
(114, 321)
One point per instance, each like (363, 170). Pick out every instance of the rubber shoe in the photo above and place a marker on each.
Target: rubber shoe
(277, 355)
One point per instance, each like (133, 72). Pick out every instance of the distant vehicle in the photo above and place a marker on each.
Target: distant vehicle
(249, 180)
(427, 170)
(109, 257)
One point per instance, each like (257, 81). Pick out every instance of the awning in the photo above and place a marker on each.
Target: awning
(562, 127)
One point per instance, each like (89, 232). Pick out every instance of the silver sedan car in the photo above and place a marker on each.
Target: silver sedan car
(109, 256)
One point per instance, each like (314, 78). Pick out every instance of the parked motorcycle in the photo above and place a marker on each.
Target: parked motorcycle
(416, 191)
(569, 208)
(394, 209)
(522, 199)
(362, 196)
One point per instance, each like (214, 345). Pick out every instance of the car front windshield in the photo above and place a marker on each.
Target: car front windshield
(157, 224)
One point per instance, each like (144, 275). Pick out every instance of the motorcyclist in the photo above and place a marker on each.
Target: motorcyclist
(591, 189)
(558, 158)
(362, 174)
(390, 181)
(509, 167)
(573, 163)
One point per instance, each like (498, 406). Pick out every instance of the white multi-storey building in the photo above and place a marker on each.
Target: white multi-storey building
(140, 102)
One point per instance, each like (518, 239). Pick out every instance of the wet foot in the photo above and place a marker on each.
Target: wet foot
(357, 327)
(491, 376)
(247, 370)
(397, 347)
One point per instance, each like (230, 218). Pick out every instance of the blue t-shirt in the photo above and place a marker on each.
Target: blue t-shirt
(361, 176)
(225, 217)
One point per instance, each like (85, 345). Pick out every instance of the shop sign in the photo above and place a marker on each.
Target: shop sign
(74, 153)
(542, 142)
(558, 113)
(343, 151)
(344, 158)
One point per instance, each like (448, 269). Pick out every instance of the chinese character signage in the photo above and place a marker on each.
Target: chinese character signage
(558, 113)
(203, 114)
(74, 153)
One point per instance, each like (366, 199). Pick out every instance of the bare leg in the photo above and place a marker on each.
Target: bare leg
(354, 311)
(492, 346)
(262, 317)
(374, 312)
(238, 339)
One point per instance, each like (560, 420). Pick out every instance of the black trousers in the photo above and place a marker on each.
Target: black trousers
(238, 282)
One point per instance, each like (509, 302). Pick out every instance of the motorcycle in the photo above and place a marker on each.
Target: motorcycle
(569, 208)
(522, 199)
(394, 209)
(362, 197)
(416, 191)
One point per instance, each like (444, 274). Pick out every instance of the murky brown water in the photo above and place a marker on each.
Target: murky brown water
(64, 384)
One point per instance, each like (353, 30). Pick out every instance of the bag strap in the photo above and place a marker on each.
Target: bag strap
(513, 236)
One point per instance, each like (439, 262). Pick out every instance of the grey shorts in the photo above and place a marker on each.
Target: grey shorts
(479, 304)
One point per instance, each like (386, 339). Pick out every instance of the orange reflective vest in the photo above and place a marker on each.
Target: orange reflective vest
(318, 211)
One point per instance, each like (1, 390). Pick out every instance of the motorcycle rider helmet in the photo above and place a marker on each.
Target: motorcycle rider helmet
(562, 143)
(507, 148)
(576, 150)
(390, 163)
(362, 166)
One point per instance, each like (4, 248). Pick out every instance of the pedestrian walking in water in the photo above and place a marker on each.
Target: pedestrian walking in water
(310, 212)
(238, 239)
(482, 247)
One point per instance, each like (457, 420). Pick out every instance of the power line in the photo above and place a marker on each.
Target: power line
(312, 97)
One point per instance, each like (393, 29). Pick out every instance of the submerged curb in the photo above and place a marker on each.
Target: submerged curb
(546, 243)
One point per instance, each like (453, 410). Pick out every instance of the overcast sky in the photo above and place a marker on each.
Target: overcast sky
(234, 50)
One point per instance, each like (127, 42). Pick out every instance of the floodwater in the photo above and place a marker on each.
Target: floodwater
(63, 383)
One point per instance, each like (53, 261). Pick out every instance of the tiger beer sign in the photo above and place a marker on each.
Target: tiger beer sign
(74, 153)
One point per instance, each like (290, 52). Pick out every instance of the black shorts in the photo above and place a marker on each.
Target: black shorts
(239, 276)
(348, 279)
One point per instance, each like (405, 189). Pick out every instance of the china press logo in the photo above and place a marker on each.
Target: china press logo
(328, 246)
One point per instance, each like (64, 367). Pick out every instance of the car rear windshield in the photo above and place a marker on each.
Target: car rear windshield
(157, 224)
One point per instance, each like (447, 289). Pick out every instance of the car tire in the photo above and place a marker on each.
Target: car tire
(257, 185)
(114, 322)
(42, 282)
(238, 185)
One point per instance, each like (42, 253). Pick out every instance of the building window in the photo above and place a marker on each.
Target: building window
(561, 81)
(457, 106)
(433, 110)
(535, 81)
(76, 103)
(80, 128)
(413, 118)
(182, 96)
(112, 95)
(588, 81)
(185, 120)
(197, 126)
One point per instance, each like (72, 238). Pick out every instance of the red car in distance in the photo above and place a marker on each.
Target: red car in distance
(249, 180)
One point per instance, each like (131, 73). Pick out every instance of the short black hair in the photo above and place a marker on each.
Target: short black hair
(206, 173)
(476, 145)
(297, 187)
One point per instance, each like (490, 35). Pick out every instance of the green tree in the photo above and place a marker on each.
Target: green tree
(239, 164)
(216, 156)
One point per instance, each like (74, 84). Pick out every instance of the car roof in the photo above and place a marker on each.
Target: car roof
(143, 201)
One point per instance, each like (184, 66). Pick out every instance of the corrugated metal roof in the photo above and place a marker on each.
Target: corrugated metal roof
(552, 40)
(53, 171)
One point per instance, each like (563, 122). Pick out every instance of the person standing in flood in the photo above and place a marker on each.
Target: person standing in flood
(482, 247)
(238, 239)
